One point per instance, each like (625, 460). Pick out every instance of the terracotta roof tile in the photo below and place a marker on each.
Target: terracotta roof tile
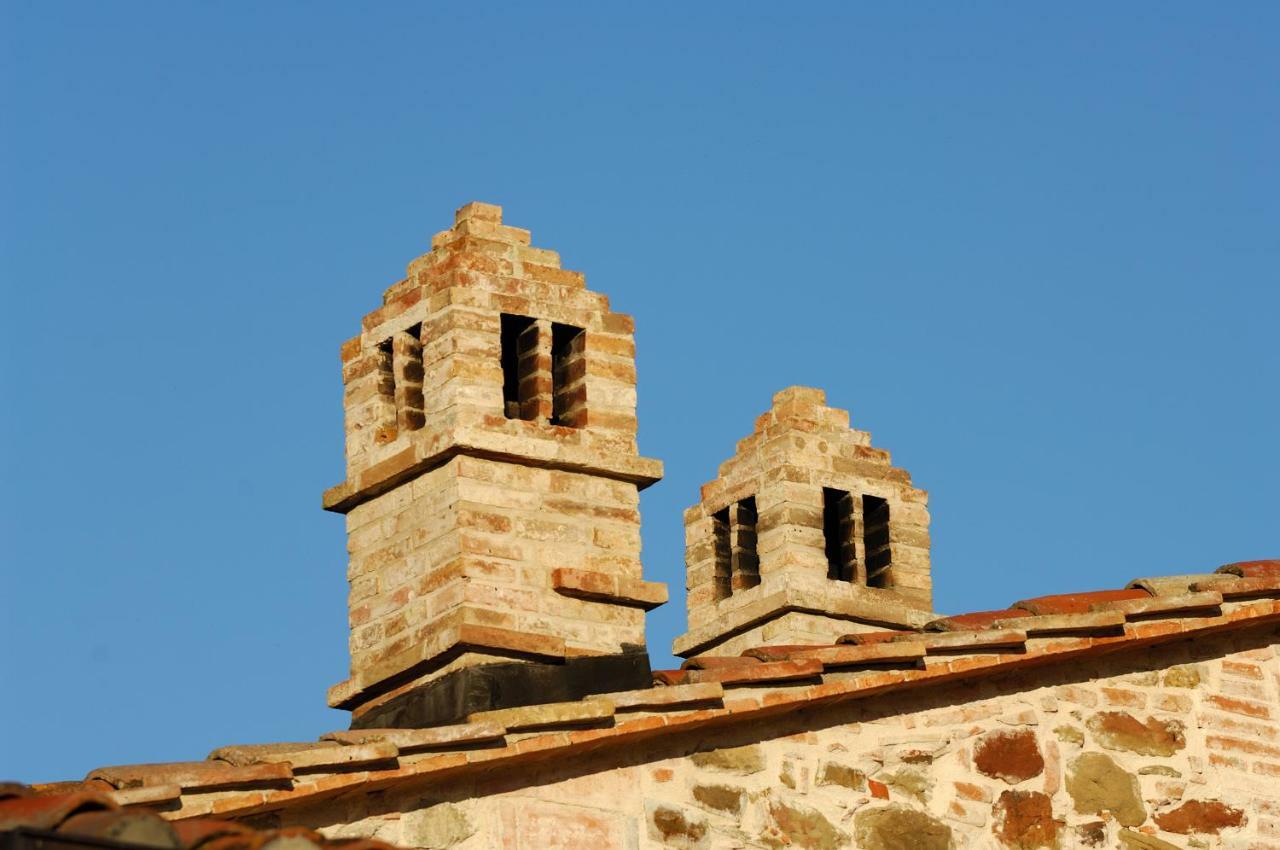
(671, 678)
(205, 775)
(844, 655)
(717, 662)
(549, 715)
(1057, 624)
(867, 638)
(136, 826)
(1268, 569)
(96, 817)
(9, 790)
(1186, 603)
(409, 740)
(49, 812)
(45, 789)
(1243, 588)
(941, 643)
(307, 755)
(1077, 603)
(193, 833)
(147, 795)
(972, 621)
(1173, 585)
(762, 672)
(667, 697)
(949, 643)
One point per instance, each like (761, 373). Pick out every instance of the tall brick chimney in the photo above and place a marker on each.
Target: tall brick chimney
(492, 486)
(807, 534)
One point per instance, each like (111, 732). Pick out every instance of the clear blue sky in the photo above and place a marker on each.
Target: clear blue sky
(1032, 248)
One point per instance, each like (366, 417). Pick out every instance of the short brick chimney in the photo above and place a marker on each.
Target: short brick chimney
(807, 534)
(492, 486)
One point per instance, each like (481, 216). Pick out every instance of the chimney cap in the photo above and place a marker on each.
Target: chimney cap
(478, 210)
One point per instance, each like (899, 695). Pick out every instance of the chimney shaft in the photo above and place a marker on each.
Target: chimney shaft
(492, 478)
(807, 534)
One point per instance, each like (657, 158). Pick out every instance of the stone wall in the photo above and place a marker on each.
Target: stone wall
(1178, 746)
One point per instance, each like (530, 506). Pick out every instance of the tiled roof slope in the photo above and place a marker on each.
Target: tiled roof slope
(103, 814)
(710, 692)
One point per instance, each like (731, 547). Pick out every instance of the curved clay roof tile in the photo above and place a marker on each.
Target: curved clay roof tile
(49, 812)
(139, 828)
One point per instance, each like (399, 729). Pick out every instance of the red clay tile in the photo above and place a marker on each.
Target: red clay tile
(205, 775)
(1173, 585)
(48, 789)
(845, 655)
(1104, 622)
(307, 756)
(1253, 569)
(972, 621)
(49, 812)
(782, 652)
(1148, 606)
(137, 827)
(193, 833)
(718, 662)
(968, 642)
(671, 677)
(146, 795)
(9, 790)
(234, 841)
(868, 638)
(1078, 603)
(407, 740)
(359, 844)
(1243, 587)
(744, 674)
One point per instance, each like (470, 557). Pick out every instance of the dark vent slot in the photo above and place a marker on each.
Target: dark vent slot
(837, 531)
(875, 524)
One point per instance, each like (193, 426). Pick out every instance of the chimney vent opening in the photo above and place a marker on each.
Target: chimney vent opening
(875, 536)
(519, 346)
(837, 532)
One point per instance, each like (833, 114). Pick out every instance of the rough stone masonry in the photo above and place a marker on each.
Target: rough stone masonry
(502, 698)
